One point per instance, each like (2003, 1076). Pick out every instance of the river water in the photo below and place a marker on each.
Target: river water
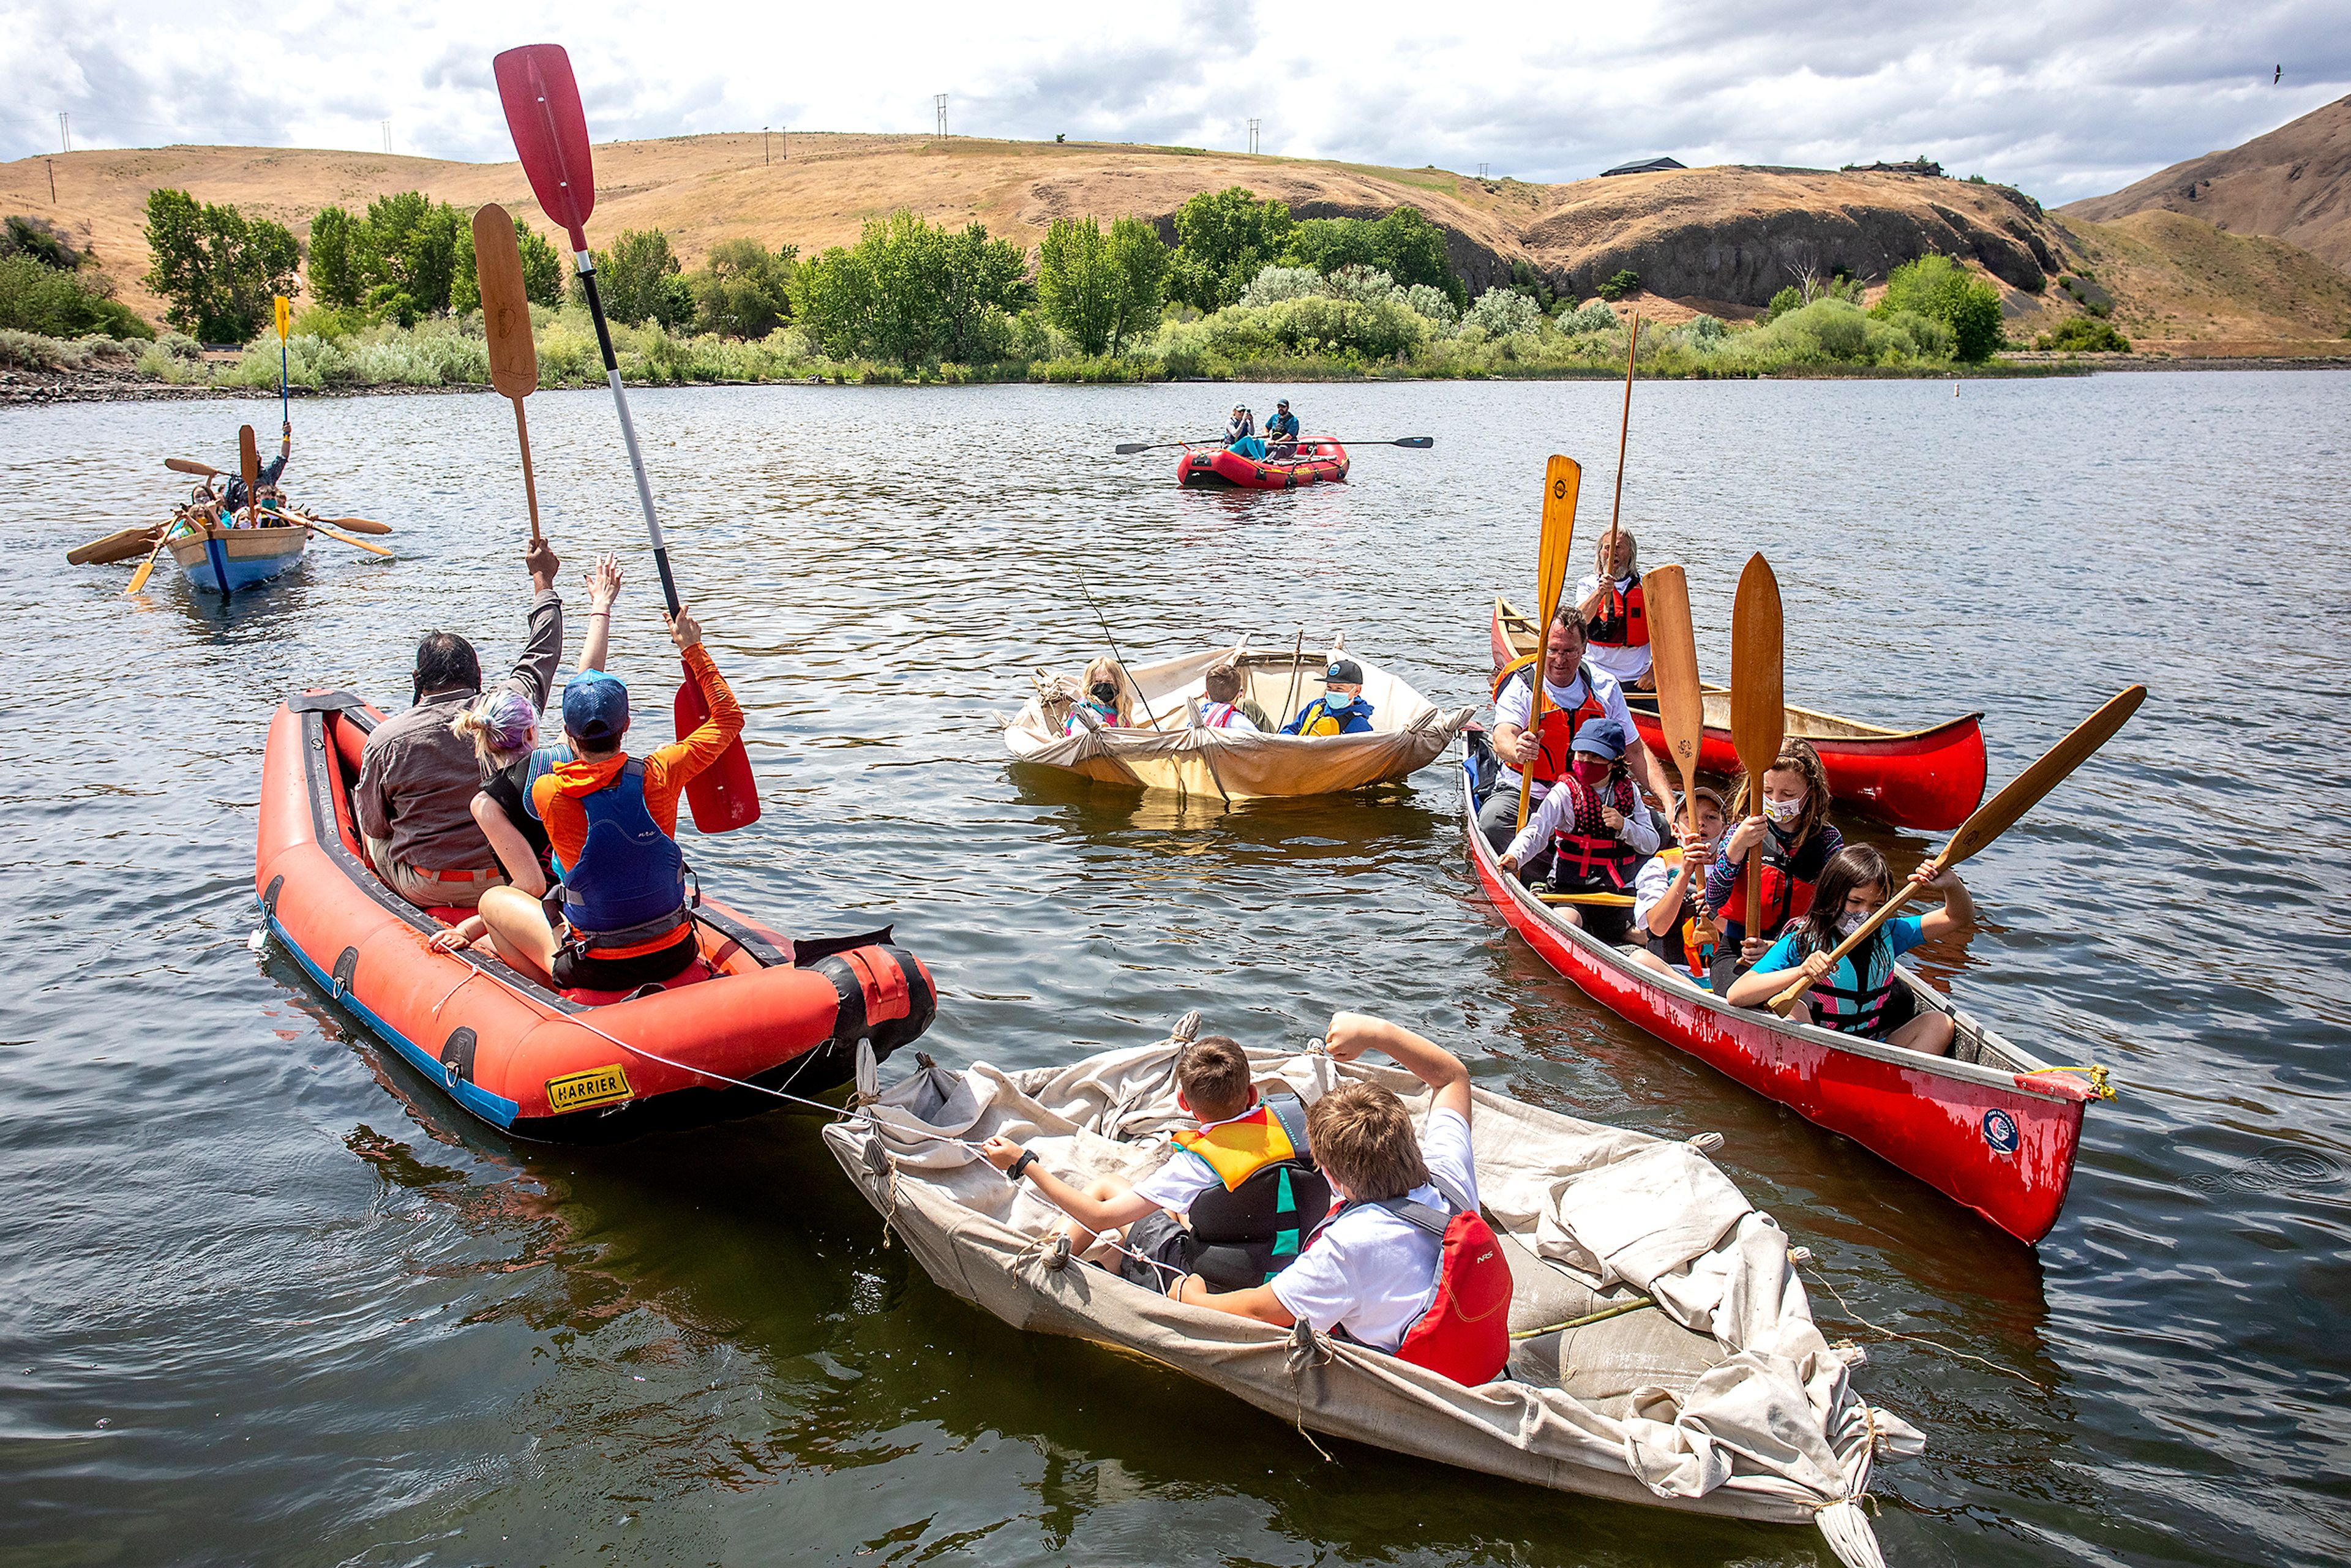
(265, 1296)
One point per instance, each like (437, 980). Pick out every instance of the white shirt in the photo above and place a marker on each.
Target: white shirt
(1625, 666)
(1371, 1273)
(1516, 706)
(1186, 1176)
(1558, 811)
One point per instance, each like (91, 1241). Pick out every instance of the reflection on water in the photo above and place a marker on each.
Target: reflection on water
(273, 1299)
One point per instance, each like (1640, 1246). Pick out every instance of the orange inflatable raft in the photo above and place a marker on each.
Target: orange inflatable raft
(756, 1008)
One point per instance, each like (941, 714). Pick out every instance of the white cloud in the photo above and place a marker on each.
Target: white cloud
(2065, 101)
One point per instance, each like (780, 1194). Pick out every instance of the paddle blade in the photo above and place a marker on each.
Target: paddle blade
(190, 466)
(139, 579)
(1129, 448)
(1562, 479)
(122, 545)
(1759, 711)
(551, 133)
(248, 458)
(1673, 652)
(505, 309)
(284, 316)
(357, 524)
(358, 544)
(723, 796)
(1995, 816)
(1418, 443)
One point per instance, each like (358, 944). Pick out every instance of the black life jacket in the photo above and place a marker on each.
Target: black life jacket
(1247, 1230)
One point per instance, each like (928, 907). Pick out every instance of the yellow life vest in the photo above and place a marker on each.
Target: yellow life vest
(1239, 1149)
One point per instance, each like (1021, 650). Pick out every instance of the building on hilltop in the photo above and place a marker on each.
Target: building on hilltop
(1654, 166)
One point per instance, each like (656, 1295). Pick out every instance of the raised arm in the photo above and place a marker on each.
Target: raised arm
(1351, 1034)
(682, 760)
(1095, 1214)
(534, 673)
(603, 591)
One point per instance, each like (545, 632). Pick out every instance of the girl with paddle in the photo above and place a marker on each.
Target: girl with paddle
(1791, 823)
(1849, 994)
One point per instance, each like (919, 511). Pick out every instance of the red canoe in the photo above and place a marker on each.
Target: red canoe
(1924, 779)
(1318, 462)
(1991, 1127)
(534, 1062)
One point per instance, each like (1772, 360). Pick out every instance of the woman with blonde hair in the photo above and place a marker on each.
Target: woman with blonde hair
(504, 728)
(1792, 824)
(1104, 689)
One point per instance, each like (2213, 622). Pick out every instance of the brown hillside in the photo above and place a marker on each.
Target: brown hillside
(1723, 239)
(2181, 286)
(2293, 185)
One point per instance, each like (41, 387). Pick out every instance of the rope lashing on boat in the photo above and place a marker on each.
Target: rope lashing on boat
(2096, 1072)
(1307, 1348)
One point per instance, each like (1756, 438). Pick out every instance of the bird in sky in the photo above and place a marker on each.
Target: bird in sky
(2277, 76)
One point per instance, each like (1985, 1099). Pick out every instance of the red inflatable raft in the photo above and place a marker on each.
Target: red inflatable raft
(1925, 778)
(757, 1007)
(1991, 1125)
(1318, 462)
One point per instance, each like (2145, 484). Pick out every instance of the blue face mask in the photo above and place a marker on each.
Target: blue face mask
(1337, 702)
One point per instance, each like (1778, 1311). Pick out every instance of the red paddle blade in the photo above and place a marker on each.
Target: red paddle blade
(551, 133)
(723, 796)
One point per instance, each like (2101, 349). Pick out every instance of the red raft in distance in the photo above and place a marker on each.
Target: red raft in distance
(1924, 779)
(1992, 1127)
(1317, 463)
(530, 1060)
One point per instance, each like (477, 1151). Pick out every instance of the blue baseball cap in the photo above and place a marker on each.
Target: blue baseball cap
(1600, 737)
(595, 706)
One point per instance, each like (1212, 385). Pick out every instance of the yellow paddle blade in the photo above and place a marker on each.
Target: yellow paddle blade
(361, 544)
(1562, 479)
(284, 317)
(139, 579)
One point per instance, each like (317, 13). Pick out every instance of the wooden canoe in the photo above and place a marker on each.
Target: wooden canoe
(1924, 779)
(207, 553)
(1991, 1127)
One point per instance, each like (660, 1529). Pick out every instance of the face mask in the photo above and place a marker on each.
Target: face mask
(1593, 773)
(1104, 692)
(1780, 813)
(1337, 702)
(1846, 925)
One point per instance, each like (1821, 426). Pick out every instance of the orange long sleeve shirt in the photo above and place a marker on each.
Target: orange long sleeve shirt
(668, 771)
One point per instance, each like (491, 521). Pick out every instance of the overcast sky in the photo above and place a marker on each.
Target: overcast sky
(2063, 100)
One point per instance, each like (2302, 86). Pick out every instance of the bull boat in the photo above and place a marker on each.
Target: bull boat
(1925, 778)
(757, 1014)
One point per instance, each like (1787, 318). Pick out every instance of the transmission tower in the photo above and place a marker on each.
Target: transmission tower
(939, 102)
(65, 131)
(387, 138)
(1253, 138)
(1481, 171)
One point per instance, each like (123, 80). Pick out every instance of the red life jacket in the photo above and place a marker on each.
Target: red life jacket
(1784, 895)
(1624, 618)
(1217, 716)
(1588, 857)
(1465, 1333)
(1557, 731)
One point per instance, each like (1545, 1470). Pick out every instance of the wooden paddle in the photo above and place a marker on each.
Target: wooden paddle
(1681, 703)
(357, 524)
(317, 527)
(1604, 900)
(248, 458)
(139, 579)
(541, 99)
(190, 466)
(506, 318)
(1607, 573)
(1417, 442)
(120, 544)
(1995, 817)
(1758, 716)
(1562, 480)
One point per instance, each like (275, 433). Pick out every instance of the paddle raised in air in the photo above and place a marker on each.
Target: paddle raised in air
(505, 322)
(550, 134)
(1993, 818)
(1759, 713)
(1562, 481)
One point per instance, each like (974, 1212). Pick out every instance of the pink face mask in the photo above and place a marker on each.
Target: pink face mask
(1591, 773)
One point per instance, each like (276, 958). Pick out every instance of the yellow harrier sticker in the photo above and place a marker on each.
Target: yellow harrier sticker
(597, 1086)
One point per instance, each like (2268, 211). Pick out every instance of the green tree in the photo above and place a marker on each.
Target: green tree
(1077, 285)
(38, 298)
(1940, 290)
(217, 269)
(639, 280)
(334, 269)
(40, 239)
(743, 289)
(1404, 245)
(1223, 237)
(986, 282)
(835, 296)
(542, 266)
(1140, 263)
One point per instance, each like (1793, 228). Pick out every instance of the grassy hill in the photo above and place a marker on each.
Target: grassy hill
(1719, 239)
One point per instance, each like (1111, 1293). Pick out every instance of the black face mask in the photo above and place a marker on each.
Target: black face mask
(1104, 692)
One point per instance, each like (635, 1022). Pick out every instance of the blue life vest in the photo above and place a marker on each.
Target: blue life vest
(1853, 996)
(629, 883)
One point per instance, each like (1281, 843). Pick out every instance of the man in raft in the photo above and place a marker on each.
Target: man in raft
(1281, 432)
(612, 820)
(418, 776)
(1574, 693)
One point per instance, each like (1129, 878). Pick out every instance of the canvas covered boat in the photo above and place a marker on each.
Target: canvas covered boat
(1663, 1348)
(1168, 750)
(1991, 1125)
(1927, 778)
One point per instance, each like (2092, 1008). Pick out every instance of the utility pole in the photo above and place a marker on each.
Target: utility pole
(787, 134)
(65, 131)
(1253, 138)
(765, 137)
(53, 180)
(939, 101)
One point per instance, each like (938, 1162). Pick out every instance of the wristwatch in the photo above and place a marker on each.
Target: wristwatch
(1013, 1171)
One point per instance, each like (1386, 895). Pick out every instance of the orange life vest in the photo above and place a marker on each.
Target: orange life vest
(1557, 731)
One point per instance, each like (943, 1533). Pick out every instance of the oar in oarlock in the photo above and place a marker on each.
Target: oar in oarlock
(1562, 481)
(1759, 713)
(122, 545)
(505, 322)
(1993, 818)
(551, 133)
(1417, 442)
